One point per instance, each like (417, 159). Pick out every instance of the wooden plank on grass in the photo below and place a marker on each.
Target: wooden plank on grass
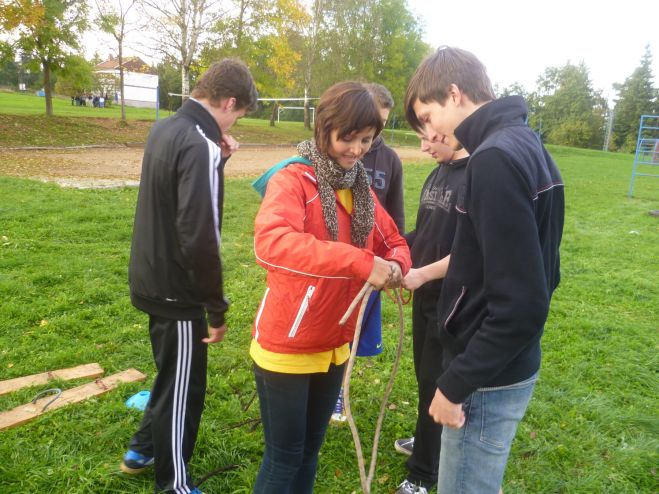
(25, 413)
(87, 370)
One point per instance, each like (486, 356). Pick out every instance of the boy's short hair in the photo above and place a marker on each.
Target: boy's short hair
(381, 94)
(433, 78)
(228, 78)
(346, 107)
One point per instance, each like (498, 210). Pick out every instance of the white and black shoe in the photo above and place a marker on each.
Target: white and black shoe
(405, 445)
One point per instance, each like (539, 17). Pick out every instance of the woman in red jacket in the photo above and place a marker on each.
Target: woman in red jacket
(320, 233)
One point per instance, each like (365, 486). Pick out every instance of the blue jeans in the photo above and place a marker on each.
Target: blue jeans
(473, 458)
(295, 411)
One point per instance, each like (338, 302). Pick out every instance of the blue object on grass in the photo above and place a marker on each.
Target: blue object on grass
(139, 400)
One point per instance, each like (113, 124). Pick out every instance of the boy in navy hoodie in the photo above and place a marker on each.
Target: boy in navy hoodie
(504, 266)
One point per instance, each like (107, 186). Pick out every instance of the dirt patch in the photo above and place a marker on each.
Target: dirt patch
(121, 166)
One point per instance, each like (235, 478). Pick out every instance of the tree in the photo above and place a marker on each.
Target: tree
(76, 77)
(112, 20)
(181, 24)
(263, 34)
(47, 31)
(169, 81)
(636, 96)
(571, 112)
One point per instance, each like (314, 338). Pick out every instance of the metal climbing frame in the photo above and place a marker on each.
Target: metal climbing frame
(647, 148)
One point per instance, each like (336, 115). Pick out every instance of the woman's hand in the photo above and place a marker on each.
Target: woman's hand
(395, 275)
(380, 273)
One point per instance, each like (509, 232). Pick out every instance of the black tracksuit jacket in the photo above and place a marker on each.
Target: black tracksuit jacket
(505, 257)
(175, 269)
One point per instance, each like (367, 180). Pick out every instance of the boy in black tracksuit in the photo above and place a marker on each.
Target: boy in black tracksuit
(504, 266)
(430, 246)
(175, 271)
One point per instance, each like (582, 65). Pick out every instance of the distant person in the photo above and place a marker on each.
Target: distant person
(175, 271)
(320, 234)
(101, 101)
(430, 246)
(504, 266)
(385, 174)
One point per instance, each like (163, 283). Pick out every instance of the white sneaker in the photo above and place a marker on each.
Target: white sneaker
(408, 487)
(405, 445)
(339, 412)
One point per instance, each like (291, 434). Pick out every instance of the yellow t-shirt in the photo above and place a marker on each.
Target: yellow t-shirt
(304, 363)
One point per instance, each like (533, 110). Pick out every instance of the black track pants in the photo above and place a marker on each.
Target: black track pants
(424, 462)
(171, 419)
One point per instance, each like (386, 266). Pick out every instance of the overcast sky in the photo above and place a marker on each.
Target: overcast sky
(518, 39)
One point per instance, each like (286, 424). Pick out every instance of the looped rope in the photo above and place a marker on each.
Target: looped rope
(363, 296)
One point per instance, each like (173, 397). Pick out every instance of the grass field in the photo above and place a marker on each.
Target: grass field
(591, 427)
(23, 123)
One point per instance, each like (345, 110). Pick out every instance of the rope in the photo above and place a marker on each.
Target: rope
(363, 295)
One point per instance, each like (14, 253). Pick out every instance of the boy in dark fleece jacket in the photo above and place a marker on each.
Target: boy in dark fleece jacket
(504, 266)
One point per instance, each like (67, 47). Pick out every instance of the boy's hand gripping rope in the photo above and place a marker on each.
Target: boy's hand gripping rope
(363, 296)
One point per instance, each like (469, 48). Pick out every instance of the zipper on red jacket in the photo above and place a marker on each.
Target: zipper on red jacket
(301, 311)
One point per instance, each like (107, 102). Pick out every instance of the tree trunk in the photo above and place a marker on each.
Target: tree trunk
(121, 82)
(275, 107)
(46, 87)
(185, 82)
(307, 120)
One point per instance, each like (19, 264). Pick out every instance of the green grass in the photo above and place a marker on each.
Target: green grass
(23, 122)
(591, 426)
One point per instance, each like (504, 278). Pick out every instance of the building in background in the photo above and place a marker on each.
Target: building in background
(140, 81)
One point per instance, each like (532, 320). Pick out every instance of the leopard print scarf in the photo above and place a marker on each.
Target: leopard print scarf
(331, 176)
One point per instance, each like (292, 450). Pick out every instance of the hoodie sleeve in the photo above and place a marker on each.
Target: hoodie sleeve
(198, 225)
(395, 201)
(281, 244)
(501, 207)
(388, 243)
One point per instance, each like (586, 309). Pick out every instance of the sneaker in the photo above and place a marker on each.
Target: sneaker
(339, 415)
(196, 491)
(404, 446)
(135, 462)
(408, 487)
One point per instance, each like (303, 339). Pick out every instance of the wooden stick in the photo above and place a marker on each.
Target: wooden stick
(87, 370)
(25, 413)
(387, 392)
(366, 480)
(354, 303)
(365, 293)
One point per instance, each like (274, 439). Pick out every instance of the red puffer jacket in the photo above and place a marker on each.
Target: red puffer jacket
(311, 279)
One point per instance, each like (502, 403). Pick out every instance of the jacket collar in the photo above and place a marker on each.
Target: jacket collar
(489, 118)
(378, 142)
(194, 111)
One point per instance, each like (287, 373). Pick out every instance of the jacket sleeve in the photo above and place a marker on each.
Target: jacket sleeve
(501, 207)
(388, 243)
(395, 205)
(281, 244)
(197, 226)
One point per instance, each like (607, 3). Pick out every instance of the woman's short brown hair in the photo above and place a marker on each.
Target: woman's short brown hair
(228, 78)
(346, 107)
(433, 78)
